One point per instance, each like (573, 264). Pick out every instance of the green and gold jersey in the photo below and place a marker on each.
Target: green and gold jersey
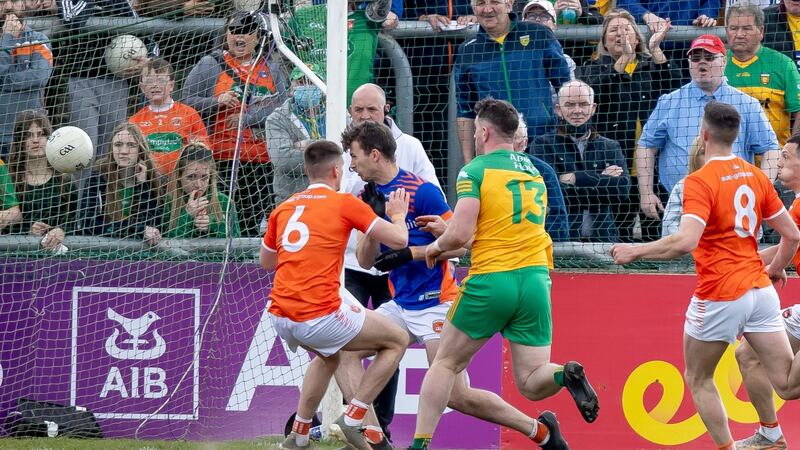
(8, 195)
(510, 232)
(771, 78)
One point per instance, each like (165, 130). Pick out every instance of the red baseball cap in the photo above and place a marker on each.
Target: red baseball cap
(709, 43)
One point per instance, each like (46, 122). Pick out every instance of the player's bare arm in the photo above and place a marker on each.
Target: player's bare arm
(436, 226)
(267, 259)
(395, 233)
(670, 247)
(367, 250)
(459, 232)
(787, 247)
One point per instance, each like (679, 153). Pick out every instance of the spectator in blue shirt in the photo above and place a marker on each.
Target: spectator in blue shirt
(555, 223)
(673, 125)
(655, 13)
(509, 60)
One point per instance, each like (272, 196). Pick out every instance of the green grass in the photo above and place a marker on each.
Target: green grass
(130, 444)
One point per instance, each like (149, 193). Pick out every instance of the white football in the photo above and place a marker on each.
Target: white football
(123, 51)
(69, 149)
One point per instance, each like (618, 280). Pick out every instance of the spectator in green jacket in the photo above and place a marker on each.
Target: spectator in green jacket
(45, 196)
(195, 208)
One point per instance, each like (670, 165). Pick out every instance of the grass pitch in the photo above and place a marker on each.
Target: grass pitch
(130, 444)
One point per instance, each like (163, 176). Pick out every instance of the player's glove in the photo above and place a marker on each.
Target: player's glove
(374, 198)
(393, 259)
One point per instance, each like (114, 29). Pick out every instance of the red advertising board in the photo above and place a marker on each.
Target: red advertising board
(627, 331)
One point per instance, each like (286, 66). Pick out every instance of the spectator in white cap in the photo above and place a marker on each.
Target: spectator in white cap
(544, 13)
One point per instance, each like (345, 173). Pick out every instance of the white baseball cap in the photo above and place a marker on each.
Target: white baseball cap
(544, 4)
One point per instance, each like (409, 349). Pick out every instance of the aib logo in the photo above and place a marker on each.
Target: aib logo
(135, 328)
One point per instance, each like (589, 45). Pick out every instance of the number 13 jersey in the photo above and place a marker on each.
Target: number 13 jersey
(510, 231)
(309, 231)
(730, 197)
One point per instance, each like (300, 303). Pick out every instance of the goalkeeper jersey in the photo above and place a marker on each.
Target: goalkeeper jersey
(413, 285)
(771, 78)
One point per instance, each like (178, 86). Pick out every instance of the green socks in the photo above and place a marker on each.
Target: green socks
(558, 376)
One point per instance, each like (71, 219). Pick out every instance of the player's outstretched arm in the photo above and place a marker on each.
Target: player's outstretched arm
(666, 248)
(460, 230)
(395, 233)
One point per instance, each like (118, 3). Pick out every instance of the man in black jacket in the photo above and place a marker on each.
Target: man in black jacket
(592, 169)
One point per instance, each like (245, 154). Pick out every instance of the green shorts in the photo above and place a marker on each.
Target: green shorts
(515, 303)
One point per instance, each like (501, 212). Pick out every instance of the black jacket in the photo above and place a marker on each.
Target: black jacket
(145, 211)
(623, 99)
(592, 191)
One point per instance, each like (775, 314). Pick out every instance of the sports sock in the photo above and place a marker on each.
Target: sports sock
(558, 376)
(355, 412)
(421, 441)
(373, 434)
(540, 434)
(728, 446)
(771, 431)
(301, 427)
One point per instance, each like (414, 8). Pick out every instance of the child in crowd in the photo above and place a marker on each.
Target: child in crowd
(46, 197)
(122, 199)
(168, 125)
(195, 207)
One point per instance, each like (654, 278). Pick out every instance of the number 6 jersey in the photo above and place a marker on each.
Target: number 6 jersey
(730, 197)
(510, 231)
(309, 231)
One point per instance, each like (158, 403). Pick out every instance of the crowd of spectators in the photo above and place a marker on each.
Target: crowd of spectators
(611, 127)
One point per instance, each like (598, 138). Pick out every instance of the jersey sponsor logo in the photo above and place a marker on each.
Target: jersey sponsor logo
(765, 78)
(437, 326)
(736, 176)
(462, 174)
(525, 40)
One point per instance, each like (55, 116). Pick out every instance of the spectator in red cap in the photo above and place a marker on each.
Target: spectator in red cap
(663, 153)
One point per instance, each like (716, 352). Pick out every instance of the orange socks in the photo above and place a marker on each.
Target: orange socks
(355, 412)
(540, 433)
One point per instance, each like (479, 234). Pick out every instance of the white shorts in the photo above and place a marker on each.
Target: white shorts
(791, 320)
(327, 334)
(421, 325)
(757, 311)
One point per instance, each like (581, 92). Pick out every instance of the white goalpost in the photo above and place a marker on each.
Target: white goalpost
(335, 90)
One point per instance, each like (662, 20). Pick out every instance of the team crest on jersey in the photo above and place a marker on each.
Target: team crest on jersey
(176, 121)
(350, 23)
(355, 309)
(437, 326)
(525, 40)
(787, 313)
(764, 78)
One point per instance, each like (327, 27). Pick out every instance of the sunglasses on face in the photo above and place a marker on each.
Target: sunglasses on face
(702, 56)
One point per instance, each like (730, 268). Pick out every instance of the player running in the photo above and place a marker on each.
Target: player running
(422, 295)
(769, 435)
(501, 204)
(305, 242)
(723, 205)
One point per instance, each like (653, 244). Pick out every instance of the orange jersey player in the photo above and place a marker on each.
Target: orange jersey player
(756, 380)
(723, 206)
(305, 243)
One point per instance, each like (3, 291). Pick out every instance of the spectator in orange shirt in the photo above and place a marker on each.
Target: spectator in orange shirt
(168, 125)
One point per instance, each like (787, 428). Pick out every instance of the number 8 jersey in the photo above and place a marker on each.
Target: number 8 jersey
(510, 231)
(309, 231)
(730, 197)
